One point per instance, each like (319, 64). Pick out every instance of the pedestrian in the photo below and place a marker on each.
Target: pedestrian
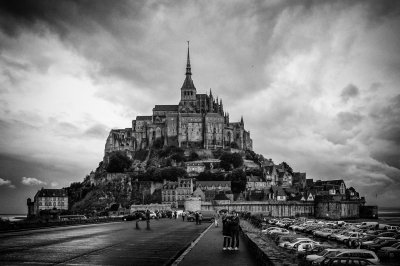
(200, 217)
(216, 218)
(196, 216)
(226, 232)
(183, 216)
(235, 231)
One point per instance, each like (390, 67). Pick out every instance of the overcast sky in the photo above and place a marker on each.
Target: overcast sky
(317, 83)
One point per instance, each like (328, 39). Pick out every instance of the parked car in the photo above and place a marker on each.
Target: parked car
(390, 252)
(294, 240)
(128, 218)
(382, 244)
(269, 229)
(190, 217)
(352, 253)
(280, 231)
(357, 242)
(323, 233)
(345, 261)
(388, 234)
(375, 241)
(330, 252)
(208, 216)
(139, 215)
(293, 245)
(284, 238)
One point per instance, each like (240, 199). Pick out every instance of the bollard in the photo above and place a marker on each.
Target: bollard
(148, 224)
(137, 225)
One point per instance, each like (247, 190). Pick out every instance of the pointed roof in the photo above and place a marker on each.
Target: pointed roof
(188, 68)
(188, 83)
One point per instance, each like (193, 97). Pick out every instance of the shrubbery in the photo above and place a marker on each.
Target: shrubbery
(119, 162)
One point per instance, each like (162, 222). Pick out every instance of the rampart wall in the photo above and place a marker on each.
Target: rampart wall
(271, 208)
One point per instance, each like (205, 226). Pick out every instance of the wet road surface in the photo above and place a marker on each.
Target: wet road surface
(99, 244)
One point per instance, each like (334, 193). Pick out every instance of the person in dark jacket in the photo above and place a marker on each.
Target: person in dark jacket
(226, 232)
(196, 216)
(235, 231)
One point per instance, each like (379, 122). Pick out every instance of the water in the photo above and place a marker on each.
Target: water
(13, 217)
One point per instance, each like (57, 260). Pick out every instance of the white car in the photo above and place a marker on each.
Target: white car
(326, 253)
(349, 235)
(278, 231)
(285, 243)
(298, 242)
(270, 228)
(323, 233)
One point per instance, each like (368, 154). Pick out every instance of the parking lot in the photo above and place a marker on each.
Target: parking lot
(307, 237)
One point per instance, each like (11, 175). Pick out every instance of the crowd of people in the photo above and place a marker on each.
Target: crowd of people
(230, 225)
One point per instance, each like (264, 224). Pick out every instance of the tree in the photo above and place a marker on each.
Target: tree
(172, 173)
(226, 160)
(234, 145)
(287, 168)
(237, 160)
(229, 160)
(177, 157)
(193, 156)
(118, 162)
(238, 178)
(158, 143)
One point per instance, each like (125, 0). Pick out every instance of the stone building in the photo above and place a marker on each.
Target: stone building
(49, 199)
(198, 121)
(175, 193)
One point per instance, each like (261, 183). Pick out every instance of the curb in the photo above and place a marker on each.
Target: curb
(190, 247)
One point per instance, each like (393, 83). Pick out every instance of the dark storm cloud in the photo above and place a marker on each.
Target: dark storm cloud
(62, 16)
(350, 91)
(388, 119)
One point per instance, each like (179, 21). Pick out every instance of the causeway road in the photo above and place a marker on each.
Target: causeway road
(117, 243)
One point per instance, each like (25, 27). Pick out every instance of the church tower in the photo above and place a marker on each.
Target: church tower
(188, 90)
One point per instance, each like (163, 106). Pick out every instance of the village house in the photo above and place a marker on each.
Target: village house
(116, 210)
(194, 168)
(175, 193)
(330, 187)
(270, 175)
(255, 183)
(48, 199)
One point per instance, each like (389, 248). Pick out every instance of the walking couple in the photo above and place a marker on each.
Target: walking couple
(230, 231)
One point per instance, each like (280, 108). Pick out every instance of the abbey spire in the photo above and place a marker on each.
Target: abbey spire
(188, 68)
(188, 90)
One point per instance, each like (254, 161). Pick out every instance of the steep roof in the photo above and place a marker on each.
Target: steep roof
(170, 185)
(144, 117)
(51, 193)
(336, 182)
(215, 183)
(166, 108)
(280, 192)
(221, 196)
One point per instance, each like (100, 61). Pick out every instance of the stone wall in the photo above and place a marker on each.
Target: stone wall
(193, 204)
(337, 209)
(271, 208)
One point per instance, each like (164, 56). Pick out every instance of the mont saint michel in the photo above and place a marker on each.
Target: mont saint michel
(198, 121)
(199, 132)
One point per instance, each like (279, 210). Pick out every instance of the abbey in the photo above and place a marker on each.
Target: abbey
(198, 121)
